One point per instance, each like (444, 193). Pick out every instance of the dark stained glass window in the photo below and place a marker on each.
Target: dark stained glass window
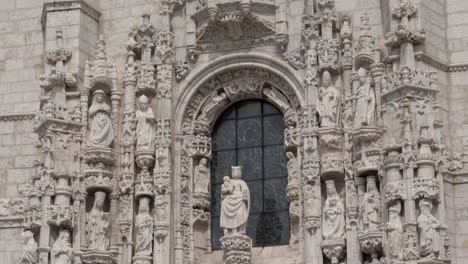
(250, 134)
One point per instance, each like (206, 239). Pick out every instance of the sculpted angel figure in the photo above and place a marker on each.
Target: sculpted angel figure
(235, 204)
(100, 131)
(62, 252)
(144, 229)
(201, 177)
(98, 224)
(329, 99)
(428, 230)
(145, 127)
(394, 230)
(372, 209)
(28, 253)
(333, 213)
(365, 100)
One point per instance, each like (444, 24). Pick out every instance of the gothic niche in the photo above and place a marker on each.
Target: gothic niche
(239, 137)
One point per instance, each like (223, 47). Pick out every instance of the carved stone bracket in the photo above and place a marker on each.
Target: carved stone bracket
(237, 249)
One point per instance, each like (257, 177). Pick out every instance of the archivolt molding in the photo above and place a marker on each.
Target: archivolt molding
(262, 62)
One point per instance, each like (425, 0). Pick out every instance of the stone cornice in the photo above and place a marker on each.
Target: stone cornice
(66, 5)
(17, 116)
(436, 63)
(456, 177)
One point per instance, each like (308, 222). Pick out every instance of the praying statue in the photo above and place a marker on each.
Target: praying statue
(201, 177)
(62, 252)
(329, 100)
(235, 203)
(365, 100)
(371, 216)
(394, 230)
(144, 229)
(145, 127)
(28, 253)
(428, 226)
(333, 213)
(100, 132)
(97, 226)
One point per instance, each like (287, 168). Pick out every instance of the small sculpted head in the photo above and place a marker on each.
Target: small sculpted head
(143, 101)
(236, 172)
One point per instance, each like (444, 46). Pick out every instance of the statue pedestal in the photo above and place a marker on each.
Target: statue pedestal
(98, 257)
(334, 249)
(142, 260)
(237, 249)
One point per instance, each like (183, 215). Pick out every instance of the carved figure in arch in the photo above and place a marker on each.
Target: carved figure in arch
(333, 213)
(213, 103)
(365, 100)
(277, 98)
(97, 226)
(428, 226)
(394, 230)
(235, 204)
(145, 127)
(28, 253)
(371, 217)
(100, 132)
(144, 229)
(329, 99)
(201, 177)
(62, 252)
(293, 168)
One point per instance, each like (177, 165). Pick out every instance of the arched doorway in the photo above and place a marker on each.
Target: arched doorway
(251, 134)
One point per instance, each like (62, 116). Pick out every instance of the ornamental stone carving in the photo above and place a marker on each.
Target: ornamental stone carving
(62, 252)
(329, 101)
(430, 243)
(101, 131)
(97, 225)
(28, 253)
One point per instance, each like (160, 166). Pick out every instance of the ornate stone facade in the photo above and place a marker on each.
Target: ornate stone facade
(125, 123)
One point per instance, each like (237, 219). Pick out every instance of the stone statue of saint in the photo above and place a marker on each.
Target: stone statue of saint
(394, 230)
(428, 230)
(213, 103)
(201, 177)
(145, 127)
(144, 229)
(98, 224)
(329, 100)
(62, 252)
(28, 253)
(235, 204)
(333, 213)
(365, 100)
(100, 132)
(372, 209)
(293, 177)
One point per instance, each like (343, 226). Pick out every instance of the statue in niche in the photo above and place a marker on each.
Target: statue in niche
(213, 103)
(62, 252)
(235, 204)
(144, 229)
(293, 166)
(277, 98)
(98, 224)
(394, 230)
(428, 225)
(28, 253)
(101, 132)
(333, 213)
(365, 100)
(145, 127)
(201, 177)
(371, 216)
(329, 99)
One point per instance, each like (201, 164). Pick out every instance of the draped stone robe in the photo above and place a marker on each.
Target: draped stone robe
(235, 206)
(101, 132)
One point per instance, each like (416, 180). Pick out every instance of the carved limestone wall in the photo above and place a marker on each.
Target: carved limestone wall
(120, 172)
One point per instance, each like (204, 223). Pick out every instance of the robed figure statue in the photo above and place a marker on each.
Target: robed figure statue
(28, 253)
(329, 101)
(62, 252)
(333, 213)
(235, 204)
(428, 230)
(100, 130)
(144, 229)
(365, 100)
(98, 224)
(371, 216)
(145, 130)
(394, 230)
